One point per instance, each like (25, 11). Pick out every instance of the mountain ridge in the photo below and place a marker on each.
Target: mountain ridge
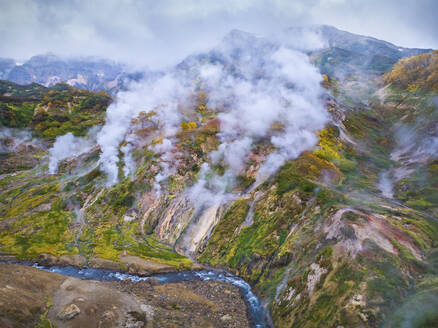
(341, 233)
(101, 74)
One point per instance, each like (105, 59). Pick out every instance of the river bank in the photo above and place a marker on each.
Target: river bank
(109, 298)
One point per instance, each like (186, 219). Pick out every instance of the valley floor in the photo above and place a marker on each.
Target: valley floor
(30, 297)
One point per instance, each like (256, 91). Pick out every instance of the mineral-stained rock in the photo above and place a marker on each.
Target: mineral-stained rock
(226, 317)
(69, 312)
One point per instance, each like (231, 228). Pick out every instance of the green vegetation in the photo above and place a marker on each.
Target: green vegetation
(15, 114)
(317, 240)
(44, 320)
(224, 231)
(308, 167)
(287, 233)
(65, 109)
(416, 74)
(45, 232)
(51, 112)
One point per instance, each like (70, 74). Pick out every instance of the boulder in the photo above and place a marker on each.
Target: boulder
(99, 263)
(68, 312)
(142, 267)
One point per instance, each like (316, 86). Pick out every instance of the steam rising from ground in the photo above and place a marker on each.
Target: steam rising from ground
(11, 139)
(385, 184)
(262, 92)
(271, 85)
(161, 96)
(70, 146)
(260, 88)
(253, 83)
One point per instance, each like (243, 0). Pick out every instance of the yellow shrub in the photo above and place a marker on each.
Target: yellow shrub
(158, 140)
(188, 125)
(417, 72)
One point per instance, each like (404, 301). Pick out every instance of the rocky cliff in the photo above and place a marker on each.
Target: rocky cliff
(324, 198)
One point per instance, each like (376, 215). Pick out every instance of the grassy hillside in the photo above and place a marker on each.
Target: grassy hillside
(417, 73)
(51, 112)
(321, 241)
(344, 235)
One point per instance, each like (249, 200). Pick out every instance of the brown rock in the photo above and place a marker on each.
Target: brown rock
(226, 317)
(74, 260)
(139, 266)
(107, 319)
(99, 263)
(51, 260)
(196, 266)
(47, 259)
(68, 312)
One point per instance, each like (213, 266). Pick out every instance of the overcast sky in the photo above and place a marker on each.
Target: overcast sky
(161, 32)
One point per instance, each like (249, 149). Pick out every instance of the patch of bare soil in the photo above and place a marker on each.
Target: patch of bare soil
(26, 293)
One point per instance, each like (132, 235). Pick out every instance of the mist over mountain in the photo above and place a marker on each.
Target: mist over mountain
(333, 51)
(303, 161)
(48, 70)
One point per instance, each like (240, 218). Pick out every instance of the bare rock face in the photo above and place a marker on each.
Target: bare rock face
(137, 265)
(69, 312)
(63, 260)
(107, 319)
(99, 263)
(173, 219)
(196, 233)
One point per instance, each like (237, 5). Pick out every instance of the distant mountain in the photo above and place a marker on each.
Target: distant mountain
(343, 234)
(348, 53)
(6, 65)
(88, 73)
(342, 54)
(335, 52)
(364, 45)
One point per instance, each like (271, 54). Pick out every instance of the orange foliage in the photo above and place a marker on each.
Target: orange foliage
(416, 73)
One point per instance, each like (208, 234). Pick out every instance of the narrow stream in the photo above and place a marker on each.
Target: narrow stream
(257, 314)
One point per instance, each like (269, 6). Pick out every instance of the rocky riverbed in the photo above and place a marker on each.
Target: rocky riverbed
(31, 297)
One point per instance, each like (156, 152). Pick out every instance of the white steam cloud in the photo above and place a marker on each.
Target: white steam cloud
(12, 140)
(261, 89)
(69, 146)
(272, 85)
(162, 96)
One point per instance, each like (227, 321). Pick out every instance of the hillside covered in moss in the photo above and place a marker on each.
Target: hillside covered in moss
(342, 233)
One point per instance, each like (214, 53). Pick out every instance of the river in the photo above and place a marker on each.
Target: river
(257, 315)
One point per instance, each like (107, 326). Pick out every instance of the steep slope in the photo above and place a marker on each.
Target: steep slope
(32, 116)
(47, 205)
(323, 243)
(364, 45)
(339, 53)
(346, 53)
(48, 70)
(324, 197)
(416, 73)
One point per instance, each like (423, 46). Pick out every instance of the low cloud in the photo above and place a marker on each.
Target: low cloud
(161, 95)
(161, 33)
(274, 83)
(68, 146)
